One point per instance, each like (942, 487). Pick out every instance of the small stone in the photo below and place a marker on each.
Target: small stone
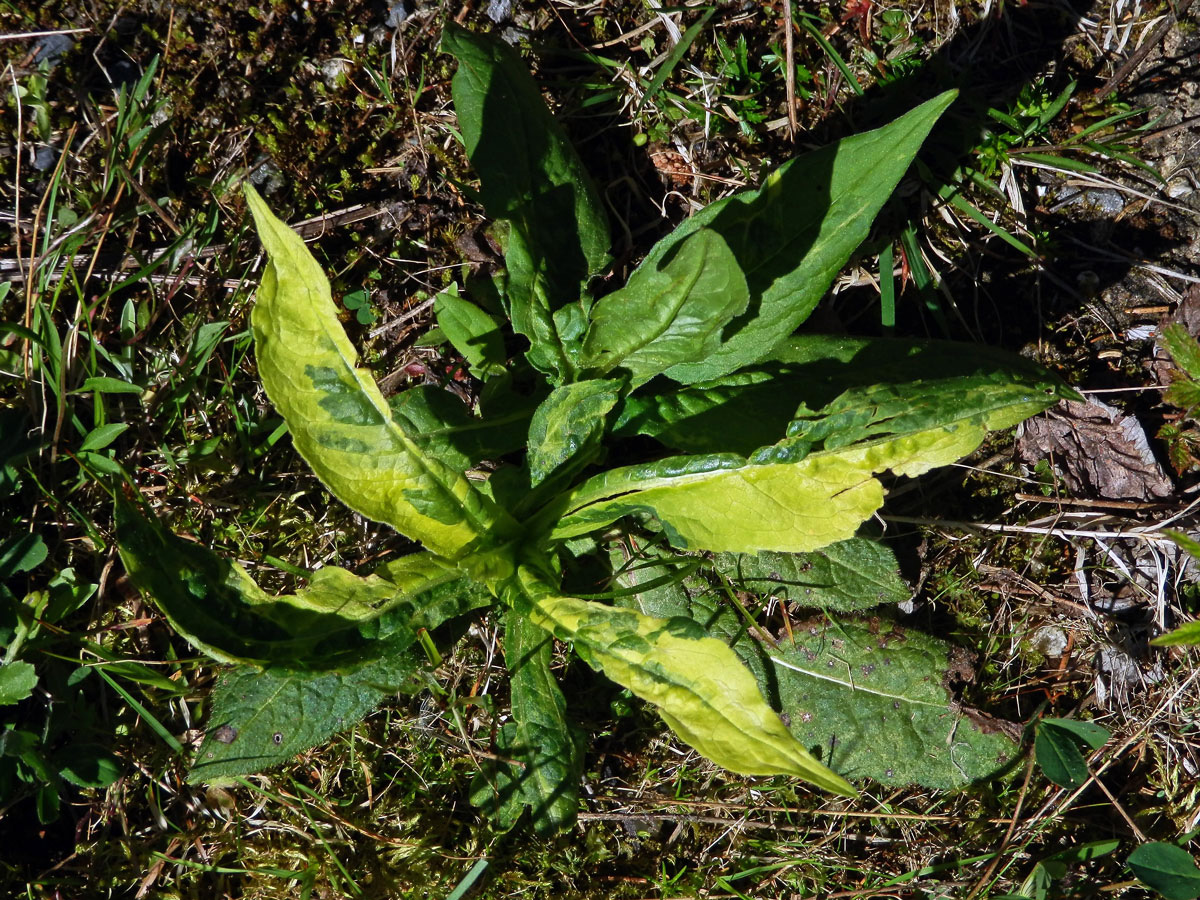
(1050, 641)
(499, 10)
(396, 14)
(44, 158)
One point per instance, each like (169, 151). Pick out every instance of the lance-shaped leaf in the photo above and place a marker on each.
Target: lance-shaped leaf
(816, 486)
(339, 620)
(532, 179)
(262, 717)
(671, 311)
(339, 420)
(696, 682)
(752, 408)
(850, 575)
(471, 331)
(566, 430)
(873, 696)
(793, 235)
(539, 739)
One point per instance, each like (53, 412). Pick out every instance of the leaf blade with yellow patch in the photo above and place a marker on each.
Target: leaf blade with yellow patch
(338, 418)
(696, 682)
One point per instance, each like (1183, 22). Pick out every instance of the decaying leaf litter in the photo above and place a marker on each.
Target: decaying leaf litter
(1094, 563)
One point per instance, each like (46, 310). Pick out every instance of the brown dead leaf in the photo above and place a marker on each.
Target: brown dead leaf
(1097, 450)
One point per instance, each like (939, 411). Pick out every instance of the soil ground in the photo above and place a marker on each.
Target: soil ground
(1044, 553)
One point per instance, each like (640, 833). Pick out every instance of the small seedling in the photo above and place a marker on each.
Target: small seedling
(359, 303)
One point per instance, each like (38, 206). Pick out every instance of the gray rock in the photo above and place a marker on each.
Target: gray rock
(396, 14)
(52, 48)
(499, 10)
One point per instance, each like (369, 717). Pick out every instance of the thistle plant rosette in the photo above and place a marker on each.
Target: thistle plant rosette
(767, 450)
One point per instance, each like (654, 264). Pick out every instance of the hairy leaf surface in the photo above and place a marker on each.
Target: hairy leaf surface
(671, 310)
(869, 698)
(532, 179)
(338, 419)
(793, 235)
(848, 576)
(696, 682)
(815, 486)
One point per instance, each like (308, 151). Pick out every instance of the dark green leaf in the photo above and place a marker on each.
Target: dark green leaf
(472, 332)
(20, 554)
(870, 698)
(671, 310)
(1183, 393)
(793, 235)
(17, 681)
(340, 620)
(1184, 349)
(1058, 756)
(813, 487)
(532, 179)
(1170, 870)
(753, 408)
(102, 384)
(1087, 732)
(1086, 852)
(47, 801)
(67, 594)
(546, 752)
(101, 437)
(850, 575)
(264, 717)
(448, 430)
(88, 765)
(568, 426)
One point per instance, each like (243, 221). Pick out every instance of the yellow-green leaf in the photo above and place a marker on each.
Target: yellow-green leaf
(809, 490)
(340, 422)
(699, 686)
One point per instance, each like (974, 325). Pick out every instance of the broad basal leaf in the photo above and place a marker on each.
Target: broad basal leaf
(671, 311)
(338, 419)
(814, 487)
(262, 717)
(568, 426)
(752, 408)
(850, 575)
(547, 753)
(339, 620)
(698, 685)
(793, 235)
(869, 698)
(532, 179)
